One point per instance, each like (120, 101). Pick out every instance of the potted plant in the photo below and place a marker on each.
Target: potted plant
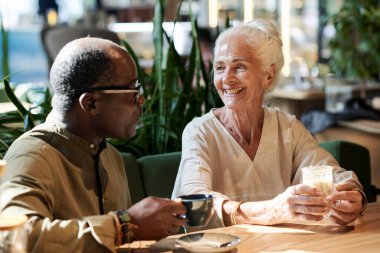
(15, 123)
(175, 92)
(356, 45)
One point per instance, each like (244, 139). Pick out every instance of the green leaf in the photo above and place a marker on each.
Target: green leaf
(177, 91)
(356, 39)
(4, 35)
(25, 114)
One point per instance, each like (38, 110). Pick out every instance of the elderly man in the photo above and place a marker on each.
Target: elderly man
(71, 184)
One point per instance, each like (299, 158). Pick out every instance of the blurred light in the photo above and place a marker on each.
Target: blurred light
(248, 10)
(298, 4)
(213, 13)
(285, 35)
(136, 32)
(52, 17)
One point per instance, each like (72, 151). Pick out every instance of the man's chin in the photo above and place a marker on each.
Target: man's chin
(124, 136)
(130, 134)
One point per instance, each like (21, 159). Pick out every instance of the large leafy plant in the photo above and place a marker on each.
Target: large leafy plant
(175, 92)
(355, 46)
(15, 123)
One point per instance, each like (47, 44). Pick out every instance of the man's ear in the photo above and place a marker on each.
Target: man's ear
(87, 102)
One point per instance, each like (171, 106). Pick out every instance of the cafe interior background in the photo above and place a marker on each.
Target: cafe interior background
(307, 83)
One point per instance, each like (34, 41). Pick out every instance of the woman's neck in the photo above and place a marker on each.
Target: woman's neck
(244, 126)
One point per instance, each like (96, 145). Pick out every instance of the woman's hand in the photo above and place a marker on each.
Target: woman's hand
(298, 202)
(346, 203)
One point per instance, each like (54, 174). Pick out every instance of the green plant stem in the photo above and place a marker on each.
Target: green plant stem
(25, 114)
(175, 91)
(4, 35)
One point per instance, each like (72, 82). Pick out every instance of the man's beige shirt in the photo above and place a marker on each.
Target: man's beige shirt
(51, 179)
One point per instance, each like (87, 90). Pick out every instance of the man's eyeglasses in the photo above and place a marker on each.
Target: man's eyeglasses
(119, 89)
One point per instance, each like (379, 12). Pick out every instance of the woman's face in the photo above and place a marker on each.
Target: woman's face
(238, 75)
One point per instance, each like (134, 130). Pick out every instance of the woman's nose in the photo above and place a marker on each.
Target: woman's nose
(228, 76)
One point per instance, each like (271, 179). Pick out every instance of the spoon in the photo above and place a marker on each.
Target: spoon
(207, 243)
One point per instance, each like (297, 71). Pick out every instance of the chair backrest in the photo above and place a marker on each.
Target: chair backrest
(158, 173)
(134, 177)
(355, 157)
(54, 38)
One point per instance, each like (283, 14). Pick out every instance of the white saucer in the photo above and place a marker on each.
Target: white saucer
(9, 222)
(208, 242)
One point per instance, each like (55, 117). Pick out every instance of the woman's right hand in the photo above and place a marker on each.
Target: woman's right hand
(298, 202)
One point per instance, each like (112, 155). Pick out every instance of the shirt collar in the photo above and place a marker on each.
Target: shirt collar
(54, 122)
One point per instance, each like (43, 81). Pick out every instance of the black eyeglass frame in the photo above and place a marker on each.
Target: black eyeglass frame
(113, 89)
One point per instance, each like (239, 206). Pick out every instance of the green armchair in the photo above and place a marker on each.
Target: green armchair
(152, 175)
(135, 182)
(355, 157)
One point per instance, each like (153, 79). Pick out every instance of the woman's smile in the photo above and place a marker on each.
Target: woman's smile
(233, 91)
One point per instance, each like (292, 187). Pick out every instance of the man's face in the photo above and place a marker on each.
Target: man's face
(118, 111)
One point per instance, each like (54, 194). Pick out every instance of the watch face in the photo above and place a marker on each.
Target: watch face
(126, 217)
(123, 216)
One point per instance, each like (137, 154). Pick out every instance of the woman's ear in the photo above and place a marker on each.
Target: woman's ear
(87, 102)
(271, 72)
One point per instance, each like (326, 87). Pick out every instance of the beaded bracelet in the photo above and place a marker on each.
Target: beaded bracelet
(364, 199)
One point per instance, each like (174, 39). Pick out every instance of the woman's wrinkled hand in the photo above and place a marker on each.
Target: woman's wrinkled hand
(346, 203)
(298, 202)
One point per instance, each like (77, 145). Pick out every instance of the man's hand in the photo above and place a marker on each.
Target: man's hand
(156, 218)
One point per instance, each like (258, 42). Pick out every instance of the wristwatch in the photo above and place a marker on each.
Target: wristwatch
(126, 225)
(123, 216)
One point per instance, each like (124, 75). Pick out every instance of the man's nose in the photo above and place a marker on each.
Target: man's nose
(140, 100)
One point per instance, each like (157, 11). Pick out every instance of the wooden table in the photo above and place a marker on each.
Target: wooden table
(362, 236)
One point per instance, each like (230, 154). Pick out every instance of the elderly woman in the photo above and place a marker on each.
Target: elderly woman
(248, 156)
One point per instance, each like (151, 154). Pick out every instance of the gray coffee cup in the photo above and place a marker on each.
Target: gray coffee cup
(199, 209)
